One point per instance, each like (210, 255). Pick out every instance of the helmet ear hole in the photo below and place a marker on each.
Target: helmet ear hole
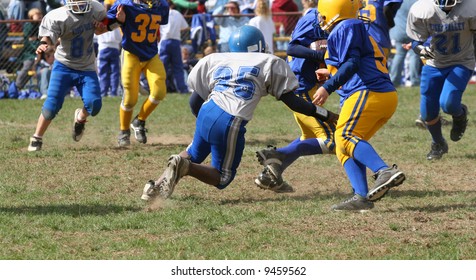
(247, 39)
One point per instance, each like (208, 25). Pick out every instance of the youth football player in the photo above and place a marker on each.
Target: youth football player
(449, 64)
(234, 84)
(356, 69)
(70, 29)
(140, 22)
(317, 136)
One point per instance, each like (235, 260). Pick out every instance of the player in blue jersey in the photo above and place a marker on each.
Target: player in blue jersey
(306, 54)
(356, 70)
(70, 29)
(449, 64)
(379, 15)
(232, 85)
(140, 22)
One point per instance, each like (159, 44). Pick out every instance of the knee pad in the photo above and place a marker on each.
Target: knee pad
(451, 108)
(225, 180)
(48, 115)
(95, 107)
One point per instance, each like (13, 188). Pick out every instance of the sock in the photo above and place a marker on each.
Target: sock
(356, 172)
(78, 119)
(37, 137)
(435, 131)
(365, 154)
(125, 118)
(299, 148)
(146, 109)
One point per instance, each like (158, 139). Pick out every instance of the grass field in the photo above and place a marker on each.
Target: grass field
(80, 200)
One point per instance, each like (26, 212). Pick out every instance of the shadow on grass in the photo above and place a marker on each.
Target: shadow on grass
(74, 210)
(277, 198)
(396, 192)
(441, 208)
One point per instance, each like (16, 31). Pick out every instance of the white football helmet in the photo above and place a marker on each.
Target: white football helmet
(78, 6)
(446, 4)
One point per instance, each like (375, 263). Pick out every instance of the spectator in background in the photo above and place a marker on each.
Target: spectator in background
(3, 35)
(228, 23)
(170, 51)
(18, 9)
(188, 59)
(28, 55)
(186, 7)
(287, 22)
(248, 6)
(264, 22)
(398, 34)
(109, 64)
(208, 50)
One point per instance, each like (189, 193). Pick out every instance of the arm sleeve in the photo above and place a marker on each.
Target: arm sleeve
(345, 72)
(299, 105)
(195, 103)
(301, 51)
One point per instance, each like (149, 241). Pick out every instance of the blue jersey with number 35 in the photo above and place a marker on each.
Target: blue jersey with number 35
(141, 27)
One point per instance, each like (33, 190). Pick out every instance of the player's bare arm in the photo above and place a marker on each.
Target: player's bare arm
(45, 44)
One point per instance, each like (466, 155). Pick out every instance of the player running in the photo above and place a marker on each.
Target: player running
(449, 64)
(140, 22)
(70, 29)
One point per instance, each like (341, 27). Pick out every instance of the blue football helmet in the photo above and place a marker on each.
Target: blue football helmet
(247, 39)
(78, 6)
(446, 4)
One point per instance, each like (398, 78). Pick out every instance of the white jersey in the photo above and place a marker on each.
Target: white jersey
(111, 39)
(172, 30)
(237, 81)
(451, 34)
(76, 32)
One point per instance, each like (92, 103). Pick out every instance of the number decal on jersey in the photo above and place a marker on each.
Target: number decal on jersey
(369, 11)
(77, 47)
(243, 87)
(380, 58)
(445, 45)
(147, 29)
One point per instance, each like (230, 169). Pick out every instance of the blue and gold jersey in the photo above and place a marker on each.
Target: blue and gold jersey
(350, 39)
(306, 32)
(378, 27)
(141, 27)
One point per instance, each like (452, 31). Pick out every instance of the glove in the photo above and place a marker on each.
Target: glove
(326, 115)
(424, 52)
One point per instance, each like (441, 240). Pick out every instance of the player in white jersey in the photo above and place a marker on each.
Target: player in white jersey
(232, 85)
(449, 63)
(70, 29)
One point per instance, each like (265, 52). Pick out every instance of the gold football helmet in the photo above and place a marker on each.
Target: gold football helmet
(333, 11)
